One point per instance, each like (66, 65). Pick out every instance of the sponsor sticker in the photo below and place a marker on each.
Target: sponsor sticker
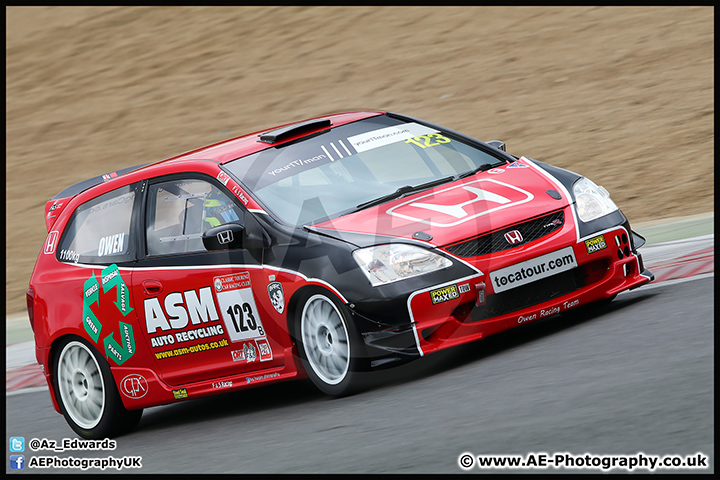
(249, 351)
(179, 310)
(225, 384)
(237, 355)
(549, 311)
(223, 178)
(134, 386)
(595, 244)
(261, 377)
(444, 294)
(180, 393)
(264, 350)
(52, 208)
(277, 297)
(386, 136)
(532, 270)
(517, 164)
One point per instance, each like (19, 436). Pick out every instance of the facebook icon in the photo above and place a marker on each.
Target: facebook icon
(17, 462)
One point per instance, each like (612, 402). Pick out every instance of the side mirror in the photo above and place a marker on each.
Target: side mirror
(224, 237)
(497, 144)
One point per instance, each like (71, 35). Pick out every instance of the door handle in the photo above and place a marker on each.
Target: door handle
(151, 287)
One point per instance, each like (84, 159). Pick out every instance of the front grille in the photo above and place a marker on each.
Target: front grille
(496, 242)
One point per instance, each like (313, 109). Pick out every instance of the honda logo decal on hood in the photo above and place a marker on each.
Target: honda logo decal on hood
(455, 205)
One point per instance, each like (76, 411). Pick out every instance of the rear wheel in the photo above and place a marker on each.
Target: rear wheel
(87, 394)
(328, 344)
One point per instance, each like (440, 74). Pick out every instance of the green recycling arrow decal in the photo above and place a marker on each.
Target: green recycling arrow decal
(120, 353)
(91, 294)
(110, 278)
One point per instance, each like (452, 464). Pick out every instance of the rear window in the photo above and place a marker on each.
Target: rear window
(99, 231)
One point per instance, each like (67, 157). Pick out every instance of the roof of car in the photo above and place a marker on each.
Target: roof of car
(244, 145)
(234, 148)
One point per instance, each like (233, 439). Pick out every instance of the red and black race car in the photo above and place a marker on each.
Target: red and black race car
(323, 248)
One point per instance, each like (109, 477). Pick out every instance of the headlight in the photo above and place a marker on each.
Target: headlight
(591, 200)
(389, 263)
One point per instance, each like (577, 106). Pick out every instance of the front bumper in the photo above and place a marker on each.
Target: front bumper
(468, 309)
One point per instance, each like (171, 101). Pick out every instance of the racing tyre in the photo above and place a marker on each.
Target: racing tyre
(329, 347)
(87, 394)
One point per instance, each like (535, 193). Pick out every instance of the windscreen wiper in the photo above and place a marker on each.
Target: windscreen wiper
(404, 191)
(481, 168)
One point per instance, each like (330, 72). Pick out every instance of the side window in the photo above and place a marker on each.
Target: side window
(179, 211)
(99, 231)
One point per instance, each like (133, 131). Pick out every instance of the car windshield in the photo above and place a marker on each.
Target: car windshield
(354, 166)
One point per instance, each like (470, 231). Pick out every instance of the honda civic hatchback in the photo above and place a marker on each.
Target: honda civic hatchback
(341, 244)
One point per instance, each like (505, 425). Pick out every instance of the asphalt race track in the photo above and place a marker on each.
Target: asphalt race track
(635, 376)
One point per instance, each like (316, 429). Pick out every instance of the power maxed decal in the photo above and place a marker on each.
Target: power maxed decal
(595, 244)
(444, 294)
(110, 278)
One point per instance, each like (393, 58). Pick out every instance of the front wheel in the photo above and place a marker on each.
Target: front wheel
(328, 345)
(86, 391)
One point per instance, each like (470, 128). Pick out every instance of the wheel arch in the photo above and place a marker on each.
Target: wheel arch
(306, 291)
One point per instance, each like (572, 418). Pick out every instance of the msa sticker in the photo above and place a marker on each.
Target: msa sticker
(532, 270)
(180, 393)
(237, 306)
(386, 136)
(444, 294)
(595, 244)
(264, 350)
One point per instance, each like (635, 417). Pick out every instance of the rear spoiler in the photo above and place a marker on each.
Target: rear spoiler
(55, 206)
